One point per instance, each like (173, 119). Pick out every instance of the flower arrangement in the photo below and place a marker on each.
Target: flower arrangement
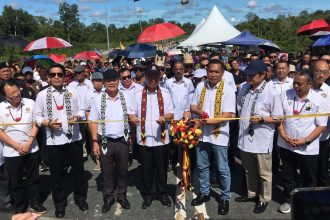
(184, 133)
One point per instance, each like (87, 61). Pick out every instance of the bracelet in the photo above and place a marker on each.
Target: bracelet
(261, 120)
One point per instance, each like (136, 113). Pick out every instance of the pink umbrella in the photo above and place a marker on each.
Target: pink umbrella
(47, 43)
(57, 58)
(87, 55)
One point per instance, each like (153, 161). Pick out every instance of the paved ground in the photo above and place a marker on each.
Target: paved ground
(156, 211)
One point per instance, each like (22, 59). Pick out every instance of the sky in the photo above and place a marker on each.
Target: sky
(124, 12)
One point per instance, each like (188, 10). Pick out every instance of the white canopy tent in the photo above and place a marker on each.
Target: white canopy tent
(215, 29)
(198, 26)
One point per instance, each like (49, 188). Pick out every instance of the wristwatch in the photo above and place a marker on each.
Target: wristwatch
(307, 142)
(261, 120)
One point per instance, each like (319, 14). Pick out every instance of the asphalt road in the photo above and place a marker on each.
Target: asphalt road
(157, 210)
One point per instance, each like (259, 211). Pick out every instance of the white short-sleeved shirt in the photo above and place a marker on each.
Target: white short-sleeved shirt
(228, 104)
(302, 127)
(132, 89)
(89, 99)
(114, 111)
(268, 104)
(82, 88)
(19, 133)
(40, 113)
(324, 91)
(153, 129)
(182, 93)
(229, 79)
(280, 87)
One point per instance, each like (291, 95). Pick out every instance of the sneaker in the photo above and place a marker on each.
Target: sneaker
(285, 208)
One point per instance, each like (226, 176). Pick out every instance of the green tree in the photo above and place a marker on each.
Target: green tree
(69, 16)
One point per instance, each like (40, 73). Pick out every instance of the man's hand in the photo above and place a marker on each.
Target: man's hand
(255, 119)
(55, 125)
(161, 120)
(73, 119)
(298, 141)
(136, 121)
(289, 140)
(96, 149)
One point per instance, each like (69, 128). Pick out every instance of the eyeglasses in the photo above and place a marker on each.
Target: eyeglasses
(324, 72)
(273, 56)
(126, 77)
(203, 66)
(52, 75)
(78, 73)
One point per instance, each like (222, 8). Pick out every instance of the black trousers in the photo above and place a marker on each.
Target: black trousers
(323, 164)
(4, 188)
(17, 186)
(41, 138)
(154, 161)
(58, 155)
(307, 165)
(114, 165)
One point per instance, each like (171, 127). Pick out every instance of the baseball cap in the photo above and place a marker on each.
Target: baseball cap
(97, 75)
(152, 70)
(199, 73)
(3, 64)
(26, 70)
(79, 69)
(255, 67)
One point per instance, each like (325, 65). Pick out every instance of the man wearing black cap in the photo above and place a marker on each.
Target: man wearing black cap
(57, 109)
(151, 108)
(258, 100)
(111, 140)
(138, 70)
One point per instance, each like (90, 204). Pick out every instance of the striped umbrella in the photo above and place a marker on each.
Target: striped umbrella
(47, 43)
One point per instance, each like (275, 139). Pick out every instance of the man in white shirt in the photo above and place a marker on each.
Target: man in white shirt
(57, 109)
(20, 148)
(320, 70)
(111, 140)
(97, 80)
(83, 86)
(280, 84)
(151, 108)
(299, 137)
(218, 100)
(258, 100)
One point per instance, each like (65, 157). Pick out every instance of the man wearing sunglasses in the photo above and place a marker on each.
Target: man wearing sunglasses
(126, 82)
(257, 100)
(57, 109)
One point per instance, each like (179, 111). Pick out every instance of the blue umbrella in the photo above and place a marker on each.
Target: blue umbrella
(322, 41)
(139, 51)
(43, 60)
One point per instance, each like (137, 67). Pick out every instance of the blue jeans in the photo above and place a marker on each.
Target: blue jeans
(203, 153)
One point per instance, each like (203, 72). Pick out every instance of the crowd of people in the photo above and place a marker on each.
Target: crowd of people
(119, 110)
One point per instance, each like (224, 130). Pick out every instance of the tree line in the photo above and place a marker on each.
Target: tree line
(281, 30)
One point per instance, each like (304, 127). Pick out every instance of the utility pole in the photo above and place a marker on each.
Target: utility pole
(107, 27)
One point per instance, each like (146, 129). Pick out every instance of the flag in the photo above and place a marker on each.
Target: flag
(139, 10)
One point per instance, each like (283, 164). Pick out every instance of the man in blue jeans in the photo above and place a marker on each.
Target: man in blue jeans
(209, 102)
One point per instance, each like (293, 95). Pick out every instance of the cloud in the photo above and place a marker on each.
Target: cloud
(121, 8)
(57, 2)
(84, 8)
(276, 8)
(252, 4)
(233, 9)
(92, 1)
(97, 14)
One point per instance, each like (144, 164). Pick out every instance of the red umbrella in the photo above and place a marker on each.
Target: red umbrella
(57, 58)
(87, 55)
(313, 27)
(47, 43)
(159, 32)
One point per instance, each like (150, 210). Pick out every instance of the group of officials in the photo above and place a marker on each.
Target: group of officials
(122, 113)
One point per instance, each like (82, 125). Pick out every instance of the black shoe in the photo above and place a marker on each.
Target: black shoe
(146, 203)
(82, 205)
(107, 205)
(59, 213)
(223, 207)
(244, 199)
(165, 200)
(124, 203)
(260, 207)
(38, 208)
(43, 167)
(200, 199)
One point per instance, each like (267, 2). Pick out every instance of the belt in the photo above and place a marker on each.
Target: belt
(115, 139)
